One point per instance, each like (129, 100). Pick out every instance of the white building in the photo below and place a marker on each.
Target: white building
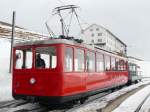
(98, 35)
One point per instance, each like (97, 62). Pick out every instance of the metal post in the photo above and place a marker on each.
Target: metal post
(12, 40)
(62, 26)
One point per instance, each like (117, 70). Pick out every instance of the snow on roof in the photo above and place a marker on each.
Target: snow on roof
(49, 41)
(10, 25)
(65, 41)
(20, 30)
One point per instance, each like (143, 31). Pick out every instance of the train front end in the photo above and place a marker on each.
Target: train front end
(37, 72)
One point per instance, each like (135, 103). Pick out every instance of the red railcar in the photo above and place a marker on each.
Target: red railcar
(72, 70)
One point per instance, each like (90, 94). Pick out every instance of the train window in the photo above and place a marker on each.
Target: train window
(23, 59)
(19, 59)
(79, 60)
(125, 65)
(107, 63)
(120, 64)
(113, 64)
(29, 59)
(132, 67)
(46, 57)
(99, 62)
(90, 61)
(68, 59)
(117, 65)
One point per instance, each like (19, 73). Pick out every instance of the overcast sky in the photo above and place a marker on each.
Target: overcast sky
(129, 20)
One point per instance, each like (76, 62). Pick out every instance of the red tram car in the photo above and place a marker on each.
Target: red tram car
(72, 70)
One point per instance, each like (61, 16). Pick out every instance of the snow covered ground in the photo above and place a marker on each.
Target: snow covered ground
(104, 101)
(133, 102)
(146, 106)
(5, 77)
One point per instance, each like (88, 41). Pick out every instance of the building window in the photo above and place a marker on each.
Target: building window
(79, 60)
(92, 41)
(92, 34)
(99, 40)
(68, 59)
(107, 63)
(91, 29)
(99, 34)
(97, 29)
(99, 62)
(90, 62)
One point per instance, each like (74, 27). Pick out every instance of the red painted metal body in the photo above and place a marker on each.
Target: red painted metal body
(58, 83)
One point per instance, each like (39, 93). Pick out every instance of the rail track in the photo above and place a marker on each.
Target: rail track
(142, 103)
(25, 106)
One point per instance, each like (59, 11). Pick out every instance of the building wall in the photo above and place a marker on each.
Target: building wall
(96, 34)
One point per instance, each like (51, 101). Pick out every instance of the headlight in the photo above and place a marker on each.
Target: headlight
(32, 80)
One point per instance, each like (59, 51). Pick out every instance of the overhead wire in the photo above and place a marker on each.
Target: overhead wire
(85, 22)
(68, 29)
(78, 20)
(65, 26)
(50, 31)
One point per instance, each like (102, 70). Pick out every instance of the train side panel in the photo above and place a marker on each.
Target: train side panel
(46, 84)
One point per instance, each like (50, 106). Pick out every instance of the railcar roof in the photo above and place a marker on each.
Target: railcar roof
(62, 41)
(45, 42)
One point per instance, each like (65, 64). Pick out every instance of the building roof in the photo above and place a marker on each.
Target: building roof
(20, 32)
(10, 25)
(106, 31)
(135, 58)
(116, 37)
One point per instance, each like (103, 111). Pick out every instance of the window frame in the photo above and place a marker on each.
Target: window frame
(98, 53)
(99, 34)
(97, 29)
(92, 35)
(75, 54)
(44, 46)
(124, 64)
(112, 57)
(90, 51)
(22, 48)
(105, 61)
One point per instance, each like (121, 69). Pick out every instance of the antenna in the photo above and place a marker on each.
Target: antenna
(58, 11)
(49, 30)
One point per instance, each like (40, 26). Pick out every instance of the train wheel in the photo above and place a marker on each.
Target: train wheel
(136, 81)
(82, 100)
